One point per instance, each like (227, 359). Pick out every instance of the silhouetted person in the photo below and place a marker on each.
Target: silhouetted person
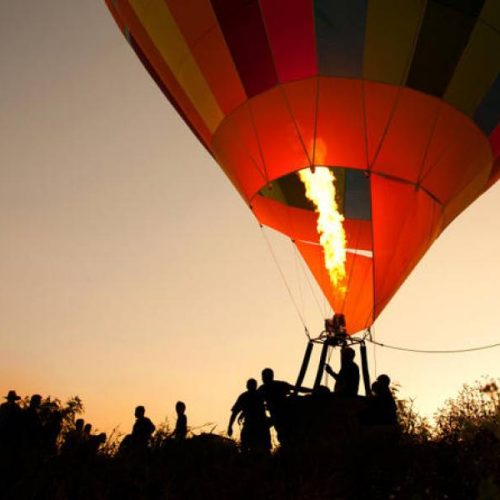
(10, 421)
(89, 440)
(32, 424)
(275, 394)
(385, 409)
(79, 426)
(74, 439)
(347, 379)
(143, 428)
(180, 431)
(51, 431)
(95, 441)
(250, 410)
(35, 402)
(384, 380)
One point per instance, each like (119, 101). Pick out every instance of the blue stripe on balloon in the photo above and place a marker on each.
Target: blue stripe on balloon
(357, 203)
(340, 36)
(487, 114)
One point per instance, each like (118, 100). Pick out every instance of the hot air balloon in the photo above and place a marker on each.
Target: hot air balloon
(399, 100)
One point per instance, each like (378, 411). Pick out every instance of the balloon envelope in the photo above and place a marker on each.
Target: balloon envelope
(400, 99)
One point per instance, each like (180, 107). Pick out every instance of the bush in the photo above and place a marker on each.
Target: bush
(474, 412)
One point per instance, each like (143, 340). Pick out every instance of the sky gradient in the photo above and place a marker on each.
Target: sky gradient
(132, 272)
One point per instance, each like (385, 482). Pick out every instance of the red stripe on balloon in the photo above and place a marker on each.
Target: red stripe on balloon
(290, 29)
(206, 42)
(245, 34)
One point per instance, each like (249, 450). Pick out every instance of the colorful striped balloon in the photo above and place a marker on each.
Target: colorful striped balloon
(401, 99)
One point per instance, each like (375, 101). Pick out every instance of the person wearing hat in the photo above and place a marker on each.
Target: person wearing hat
(12, 396)
(11, 402)
(10, 419)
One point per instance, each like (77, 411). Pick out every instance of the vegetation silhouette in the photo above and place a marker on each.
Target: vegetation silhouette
(454, 457)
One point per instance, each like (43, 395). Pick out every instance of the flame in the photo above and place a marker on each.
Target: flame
(320, 190)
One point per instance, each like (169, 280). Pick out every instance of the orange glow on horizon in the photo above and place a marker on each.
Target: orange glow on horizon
(320, 190)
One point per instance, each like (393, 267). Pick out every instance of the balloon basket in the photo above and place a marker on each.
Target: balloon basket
(333, 336)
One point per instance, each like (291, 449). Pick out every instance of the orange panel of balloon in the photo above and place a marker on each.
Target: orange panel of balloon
(359, 129)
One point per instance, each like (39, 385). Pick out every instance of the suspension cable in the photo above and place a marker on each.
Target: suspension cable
(432, 351)
(325, 375)
(297, 310)
(308, 281)
(297, 277)
(370, 336)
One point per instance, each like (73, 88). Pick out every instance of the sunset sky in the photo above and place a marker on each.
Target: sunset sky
(133, 273)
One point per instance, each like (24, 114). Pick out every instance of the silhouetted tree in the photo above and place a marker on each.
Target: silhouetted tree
(475, 410)
(413, 426)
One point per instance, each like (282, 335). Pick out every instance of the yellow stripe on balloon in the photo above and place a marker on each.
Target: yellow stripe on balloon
(391, 32)
(161, 27)
(479, 64)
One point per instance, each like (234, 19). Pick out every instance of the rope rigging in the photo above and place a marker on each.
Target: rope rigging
(432, 351)
(368, 336)
(283, 277)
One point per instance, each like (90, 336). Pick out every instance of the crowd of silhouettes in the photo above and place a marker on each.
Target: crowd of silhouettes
(79, 441)
(138, 441)
(260, 408)
(26, 428)
(35, 428)
(257, 410)
(46, 451)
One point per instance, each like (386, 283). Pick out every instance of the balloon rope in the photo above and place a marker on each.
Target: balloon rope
(371, 331)
(283, 277)
(325, 375)
(308, 281)
(297, 277)
(428, 351)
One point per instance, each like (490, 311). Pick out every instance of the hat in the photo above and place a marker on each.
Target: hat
(12, 396)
